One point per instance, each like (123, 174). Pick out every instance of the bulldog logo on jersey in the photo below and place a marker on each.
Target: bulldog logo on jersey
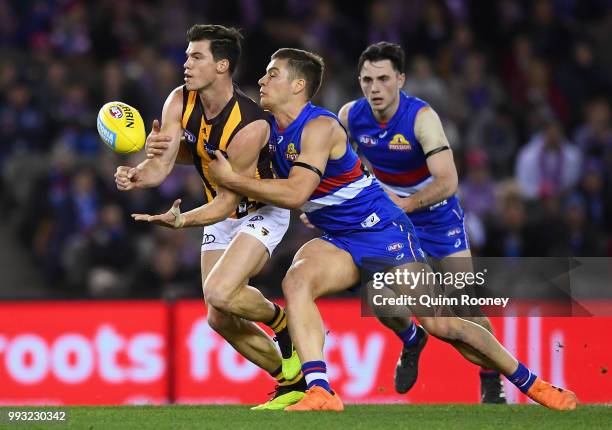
(291, 153)
(399, 143)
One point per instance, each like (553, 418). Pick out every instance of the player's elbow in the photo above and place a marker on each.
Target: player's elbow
(296, 199)
(452, 184)
(447, 184)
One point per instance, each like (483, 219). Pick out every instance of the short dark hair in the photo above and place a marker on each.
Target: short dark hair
(384, 51)
(305, 65)
(225, 42)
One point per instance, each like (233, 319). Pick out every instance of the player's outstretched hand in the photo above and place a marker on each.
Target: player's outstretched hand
(156, 143)
(127, 178)
(305, 221)
(219, 168)
(171, 219)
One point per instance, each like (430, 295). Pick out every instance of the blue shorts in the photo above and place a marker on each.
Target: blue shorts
(372, 250)
(439, 241)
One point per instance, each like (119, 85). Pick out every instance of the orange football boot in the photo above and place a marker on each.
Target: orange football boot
(552, 397)
(318, 399)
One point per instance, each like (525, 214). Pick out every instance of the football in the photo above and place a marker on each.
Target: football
(121, 127)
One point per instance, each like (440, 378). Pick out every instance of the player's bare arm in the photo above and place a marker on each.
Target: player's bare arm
(343, 116)
(157, 146)
(242, 153)
(343, 113)
(153, 171)
(322, 138)
(428, 129)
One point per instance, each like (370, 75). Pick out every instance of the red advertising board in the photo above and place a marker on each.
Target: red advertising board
(361, 357)
(153, 352)
(83, 352)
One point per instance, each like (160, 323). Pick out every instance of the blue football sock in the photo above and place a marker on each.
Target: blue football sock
(409, 336)
(522, 378)
(315, 373)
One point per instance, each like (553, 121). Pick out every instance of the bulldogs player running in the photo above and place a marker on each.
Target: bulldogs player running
(320, 173)
(406, 148)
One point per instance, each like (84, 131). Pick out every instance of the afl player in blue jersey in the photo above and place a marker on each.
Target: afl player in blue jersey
(240, 234)
(320, 173)
(402, 140)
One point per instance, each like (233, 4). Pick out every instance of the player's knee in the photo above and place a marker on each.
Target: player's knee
(445, 328)
(216, 294)
(218, 321)
(294, 286)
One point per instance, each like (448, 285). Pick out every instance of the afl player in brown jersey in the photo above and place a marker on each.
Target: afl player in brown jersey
(240, 234)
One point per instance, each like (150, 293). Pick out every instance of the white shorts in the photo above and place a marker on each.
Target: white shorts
(268, 224)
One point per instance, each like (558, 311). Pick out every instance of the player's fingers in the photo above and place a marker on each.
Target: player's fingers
(176, 203)
(121, 170)
(155, 127)
(305, 221)
(131, 174)
(141, 217)
(159, 139)
(153, 152)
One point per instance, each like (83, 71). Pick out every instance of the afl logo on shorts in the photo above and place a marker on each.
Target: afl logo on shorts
(368, 141)
(395, 246)
(115, 112)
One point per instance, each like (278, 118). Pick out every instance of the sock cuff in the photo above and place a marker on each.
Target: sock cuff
(522, 377)
(279, 322)
(314, 367)
(278, 374)
(409, 336)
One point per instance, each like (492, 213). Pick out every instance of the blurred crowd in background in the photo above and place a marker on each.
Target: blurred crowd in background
(523, 89)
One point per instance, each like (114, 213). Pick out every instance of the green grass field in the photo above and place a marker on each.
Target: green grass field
(418, 417)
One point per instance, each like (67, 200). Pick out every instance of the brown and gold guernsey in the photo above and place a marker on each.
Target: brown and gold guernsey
(203, 136)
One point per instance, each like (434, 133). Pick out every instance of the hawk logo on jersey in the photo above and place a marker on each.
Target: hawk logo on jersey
(368, 141)
(291, 153)
(399, 143)
(189, 137)
(256, 218)
(115, 112)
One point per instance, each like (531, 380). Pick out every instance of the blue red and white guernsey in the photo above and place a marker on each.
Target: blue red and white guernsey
(399, 163)
(348, 205)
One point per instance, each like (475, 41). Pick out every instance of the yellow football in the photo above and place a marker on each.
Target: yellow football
(121, 127)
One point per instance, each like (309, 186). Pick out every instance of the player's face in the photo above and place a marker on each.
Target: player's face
(380, 84)
(276, 86)
(200, 66)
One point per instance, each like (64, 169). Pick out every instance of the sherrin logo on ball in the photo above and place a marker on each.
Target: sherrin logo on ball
(121, 127)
